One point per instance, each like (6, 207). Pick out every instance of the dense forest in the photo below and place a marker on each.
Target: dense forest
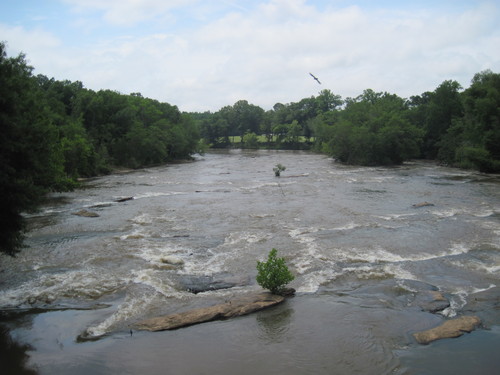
(54, 132)
(453, 126)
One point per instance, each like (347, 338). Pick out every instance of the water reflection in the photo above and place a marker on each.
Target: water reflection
(13, 356)
(274, 324)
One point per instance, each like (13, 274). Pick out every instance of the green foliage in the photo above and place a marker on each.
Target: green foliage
(273, 274)
(372, 130)
(56, 131)
(473, 140)
(31, 158)
(377, 128)
(278, 169)
(250, 140)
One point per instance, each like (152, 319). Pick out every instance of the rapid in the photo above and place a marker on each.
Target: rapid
(358, 247)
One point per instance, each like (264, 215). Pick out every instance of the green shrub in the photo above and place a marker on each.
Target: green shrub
(274, 273)
(278, 169)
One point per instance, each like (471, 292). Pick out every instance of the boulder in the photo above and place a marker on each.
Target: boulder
(236, 307)
(86, 213)
(449, 329)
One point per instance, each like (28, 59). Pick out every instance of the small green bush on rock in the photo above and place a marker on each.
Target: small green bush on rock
(278, 169)
(273, 274)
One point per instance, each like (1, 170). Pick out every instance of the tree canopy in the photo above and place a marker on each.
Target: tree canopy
(453, 126)
(54, 132)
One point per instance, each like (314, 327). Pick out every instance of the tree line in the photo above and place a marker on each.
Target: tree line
(454, 126)
(54, 132)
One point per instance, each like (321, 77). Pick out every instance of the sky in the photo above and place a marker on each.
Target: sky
(202, 55)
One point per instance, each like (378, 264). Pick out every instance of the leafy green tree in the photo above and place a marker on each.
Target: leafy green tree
(434, 112)
(31, 158)
(294, 132)
(250, 140)
(473, 141)
(273, 274)
(373, 129)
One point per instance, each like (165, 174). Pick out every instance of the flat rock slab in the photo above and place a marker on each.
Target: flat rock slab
(449, 329)
(237, 307)
(432, 301)
(199, 284)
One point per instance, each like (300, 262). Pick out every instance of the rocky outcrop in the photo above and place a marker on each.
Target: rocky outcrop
(432, 301)
(86, 213)
(449, 329)
(236, 307)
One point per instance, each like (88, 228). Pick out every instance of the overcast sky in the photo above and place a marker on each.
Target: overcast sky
(205, 54)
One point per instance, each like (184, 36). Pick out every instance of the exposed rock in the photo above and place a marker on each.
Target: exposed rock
(432, 301)
(124, 199)
(422, 204)
(449, 329)
(86, 213)
(287, 292)
(485, 304)
(199, 284)
(173, 260)
(237, 307)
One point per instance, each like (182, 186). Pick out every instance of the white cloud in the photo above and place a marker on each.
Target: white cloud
(263, 53)
(128, 12)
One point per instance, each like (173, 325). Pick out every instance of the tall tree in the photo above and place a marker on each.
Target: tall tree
(474, 139)
(434, 112)
(31, 159)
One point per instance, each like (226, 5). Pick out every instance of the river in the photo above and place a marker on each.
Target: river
(360, 252)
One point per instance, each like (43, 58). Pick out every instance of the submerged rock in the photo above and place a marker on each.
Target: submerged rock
(486, 305)
(449, 329)
(204, 283)
(432, 301)
(237, 307)
(124, 199)
(86, 213)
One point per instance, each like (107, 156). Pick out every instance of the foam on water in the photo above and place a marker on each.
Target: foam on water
(391, 217)
(155, 280)
(86, 283)
(245, 237)
(311, 281)
(130, 308)
(304, 260)
(155, 194)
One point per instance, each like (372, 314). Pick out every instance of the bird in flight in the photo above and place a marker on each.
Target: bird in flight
(316, 78)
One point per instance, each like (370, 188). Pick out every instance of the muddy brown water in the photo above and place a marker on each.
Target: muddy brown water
(360, 251)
